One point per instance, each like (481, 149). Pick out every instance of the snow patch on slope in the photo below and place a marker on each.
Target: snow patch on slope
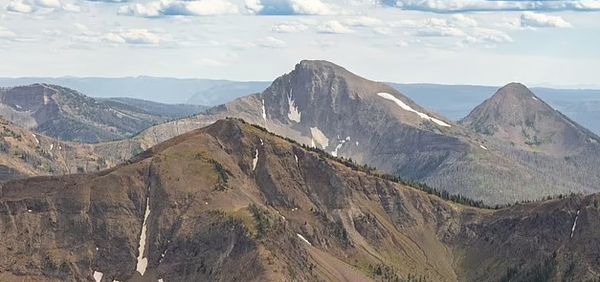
(255, 160)
(98, 276)
(264, 110)
(339, 146)
(303, 239)
(406, 107)
(574, 224)
(142, 261)
(293, 113)
(319, 137)
(335, 152)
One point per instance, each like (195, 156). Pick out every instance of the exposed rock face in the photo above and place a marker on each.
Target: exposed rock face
(324, 105)
(68, 115)
(297, 215)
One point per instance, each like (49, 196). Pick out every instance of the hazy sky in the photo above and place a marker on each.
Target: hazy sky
(441, 41)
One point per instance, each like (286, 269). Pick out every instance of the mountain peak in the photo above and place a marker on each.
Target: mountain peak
(317, 64)
(515, 115)
(321, 67)
(515, 90)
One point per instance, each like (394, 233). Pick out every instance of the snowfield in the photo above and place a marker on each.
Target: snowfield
(98, 276)
(319, 137)
(303, 239)
(142, 261)
(406, 107)
(339, 146)
(574, 224)
(255, 160)
(264, 111)
(293, 113)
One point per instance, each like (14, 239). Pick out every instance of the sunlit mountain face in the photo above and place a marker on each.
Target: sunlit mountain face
(299, 140)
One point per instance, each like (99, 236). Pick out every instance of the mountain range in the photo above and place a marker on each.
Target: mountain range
(323, 176)
(452, 101)
(68, 115)
(325, 106)
(208, 92)
(232, 202)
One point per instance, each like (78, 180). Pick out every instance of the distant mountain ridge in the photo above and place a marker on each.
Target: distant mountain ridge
(452, 101)
(207, 92)
(68, 115)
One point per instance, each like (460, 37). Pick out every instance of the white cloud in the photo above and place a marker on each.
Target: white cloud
(31, 6)
(529, 19)
(289, 27)
(333, 26)
(290, 7)
(179, 8)
(439, 31)
(463, 21)
(5, 33)
(463, 28)
(363, 21)
(19, 6)
(48, 3)
(383, 30)
(486, 35)
(271, 42)
(458, 6)
(133, 36)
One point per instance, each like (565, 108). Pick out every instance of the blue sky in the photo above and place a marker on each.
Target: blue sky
(439, 41)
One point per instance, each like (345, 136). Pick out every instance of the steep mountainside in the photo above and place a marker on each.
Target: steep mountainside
(516, 116)
(325, 106)
(68, 115)
(234, 197)
(24, 153)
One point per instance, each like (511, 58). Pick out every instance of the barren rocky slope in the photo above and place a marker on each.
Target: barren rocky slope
(515, 115)
(234, 197)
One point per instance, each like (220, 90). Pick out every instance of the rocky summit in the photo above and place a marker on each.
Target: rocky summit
(517, 116)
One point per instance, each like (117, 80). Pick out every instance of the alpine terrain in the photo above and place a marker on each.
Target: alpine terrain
(234, 202)
(325, 106)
